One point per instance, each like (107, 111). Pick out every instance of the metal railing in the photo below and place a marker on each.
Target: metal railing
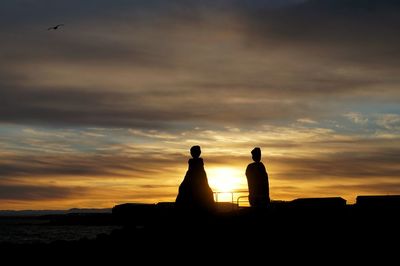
(238, 200)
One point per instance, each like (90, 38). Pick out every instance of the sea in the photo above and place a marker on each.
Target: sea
(23, 230)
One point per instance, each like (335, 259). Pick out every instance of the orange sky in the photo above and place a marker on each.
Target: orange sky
(105, 109)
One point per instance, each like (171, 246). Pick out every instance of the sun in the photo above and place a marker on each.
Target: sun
(225, 179)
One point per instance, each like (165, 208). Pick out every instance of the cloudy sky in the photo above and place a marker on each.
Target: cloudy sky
(104, 109)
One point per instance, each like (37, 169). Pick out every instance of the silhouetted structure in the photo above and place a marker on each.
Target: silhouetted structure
(194, 191)
(321, 203)
(257, 180)
(378, 201)
(322, 226)
(136, 213)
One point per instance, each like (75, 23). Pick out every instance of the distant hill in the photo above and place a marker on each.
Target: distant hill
(77, 210)
(51, 212)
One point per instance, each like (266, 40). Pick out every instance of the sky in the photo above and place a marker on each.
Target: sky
(105, 109)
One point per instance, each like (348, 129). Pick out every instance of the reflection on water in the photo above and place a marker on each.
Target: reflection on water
(23, 231)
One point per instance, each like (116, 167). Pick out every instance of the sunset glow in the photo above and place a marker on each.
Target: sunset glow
(105, 109)
(226, 179)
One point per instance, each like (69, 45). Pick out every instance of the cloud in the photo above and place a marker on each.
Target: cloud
(117, 97)
(85, 165)
(141, 110)
(373, 188)
(110, 69)
(38, 193)
(121, 165)
(352, 31)
(389, 121)
(295, 152)
(341, 166)
(357, 118)
(306, 121)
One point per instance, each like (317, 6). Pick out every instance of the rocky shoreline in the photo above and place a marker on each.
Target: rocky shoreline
(328, 226)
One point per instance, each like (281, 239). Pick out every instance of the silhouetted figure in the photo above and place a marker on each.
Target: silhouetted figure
(194, 191)
(257, 180)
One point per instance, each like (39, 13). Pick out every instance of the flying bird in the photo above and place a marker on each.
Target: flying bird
(55, 27)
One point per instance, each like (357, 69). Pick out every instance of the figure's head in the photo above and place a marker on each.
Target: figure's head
(195, 151)
(256, 154)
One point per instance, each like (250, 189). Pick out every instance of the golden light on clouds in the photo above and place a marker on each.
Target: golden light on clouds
(105, 110)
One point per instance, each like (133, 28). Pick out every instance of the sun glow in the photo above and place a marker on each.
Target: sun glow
(223, 179)
(226, 180)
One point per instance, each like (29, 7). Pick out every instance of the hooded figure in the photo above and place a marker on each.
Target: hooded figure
(194, 191)
(257, 180)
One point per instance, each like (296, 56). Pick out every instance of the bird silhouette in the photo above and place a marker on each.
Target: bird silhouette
(55, 27)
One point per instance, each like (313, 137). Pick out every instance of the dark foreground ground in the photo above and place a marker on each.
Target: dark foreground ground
(332, 232)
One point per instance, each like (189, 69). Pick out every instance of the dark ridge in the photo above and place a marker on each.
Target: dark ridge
(378, 201)
(309, 228)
